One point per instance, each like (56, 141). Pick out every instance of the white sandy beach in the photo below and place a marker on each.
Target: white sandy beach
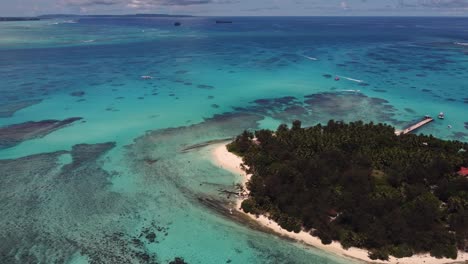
(228, 161)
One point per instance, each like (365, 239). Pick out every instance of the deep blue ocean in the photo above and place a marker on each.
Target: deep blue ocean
(96, 190)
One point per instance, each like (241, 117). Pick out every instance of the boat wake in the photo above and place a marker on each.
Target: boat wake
(351, 91)
(310, 58)
(351, 79)
(64, 22)
(461, 43)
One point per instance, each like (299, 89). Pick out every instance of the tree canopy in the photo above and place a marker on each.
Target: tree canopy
(360, 184)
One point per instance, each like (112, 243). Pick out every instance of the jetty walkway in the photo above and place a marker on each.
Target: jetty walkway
(426, 120)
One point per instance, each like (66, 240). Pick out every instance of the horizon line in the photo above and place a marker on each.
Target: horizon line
(187, 15)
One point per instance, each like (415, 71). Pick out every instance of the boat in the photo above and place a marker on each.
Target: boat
(337, 78)
(177, 24)
(223, 22)
(146, 77)
(441, 115)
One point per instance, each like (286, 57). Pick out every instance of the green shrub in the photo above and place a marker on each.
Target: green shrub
(381, 254)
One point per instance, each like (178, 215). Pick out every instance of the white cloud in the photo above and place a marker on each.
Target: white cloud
(91, 2)
(139, 3)
(344, 5)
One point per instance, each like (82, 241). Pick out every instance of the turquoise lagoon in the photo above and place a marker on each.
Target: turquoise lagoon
(129, 184)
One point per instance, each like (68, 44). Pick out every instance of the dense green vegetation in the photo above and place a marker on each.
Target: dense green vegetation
(362, 185)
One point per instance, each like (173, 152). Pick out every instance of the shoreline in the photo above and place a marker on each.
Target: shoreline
(222, 158)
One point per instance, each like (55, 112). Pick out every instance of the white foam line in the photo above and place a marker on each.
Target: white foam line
(352, 91)
(351, 79)
(310, 58)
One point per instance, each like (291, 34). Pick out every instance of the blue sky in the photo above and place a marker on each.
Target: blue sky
(238, 7)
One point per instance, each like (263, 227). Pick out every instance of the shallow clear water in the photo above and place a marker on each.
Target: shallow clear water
(210, 81)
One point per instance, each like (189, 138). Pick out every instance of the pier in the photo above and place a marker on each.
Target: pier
(426, 120)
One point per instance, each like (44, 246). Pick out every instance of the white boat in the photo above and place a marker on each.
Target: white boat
(441, 115)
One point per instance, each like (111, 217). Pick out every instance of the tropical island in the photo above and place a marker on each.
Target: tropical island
(360, 185)
(12, 19)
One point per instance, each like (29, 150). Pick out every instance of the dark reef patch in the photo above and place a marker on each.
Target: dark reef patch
(151, 237)
(12, 135)
(37, 187)
(152, 233)
(378, 100)
(276, 102)
(78, 93)
(150, 161)
(285, 100)
(379, 90)
(321, 107)
(178, 260)
(9, 109)
(292, 112)
(462, 136)
(86, 153)
(111, 109)
(204, 86)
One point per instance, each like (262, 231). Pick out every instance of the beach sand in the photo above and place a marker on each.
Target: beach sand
(228, 161)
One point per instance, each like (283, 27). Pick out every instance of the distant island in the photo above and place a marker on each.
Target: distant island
(54, 16)
(57, 16)
(7, 19)
(361, 185)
